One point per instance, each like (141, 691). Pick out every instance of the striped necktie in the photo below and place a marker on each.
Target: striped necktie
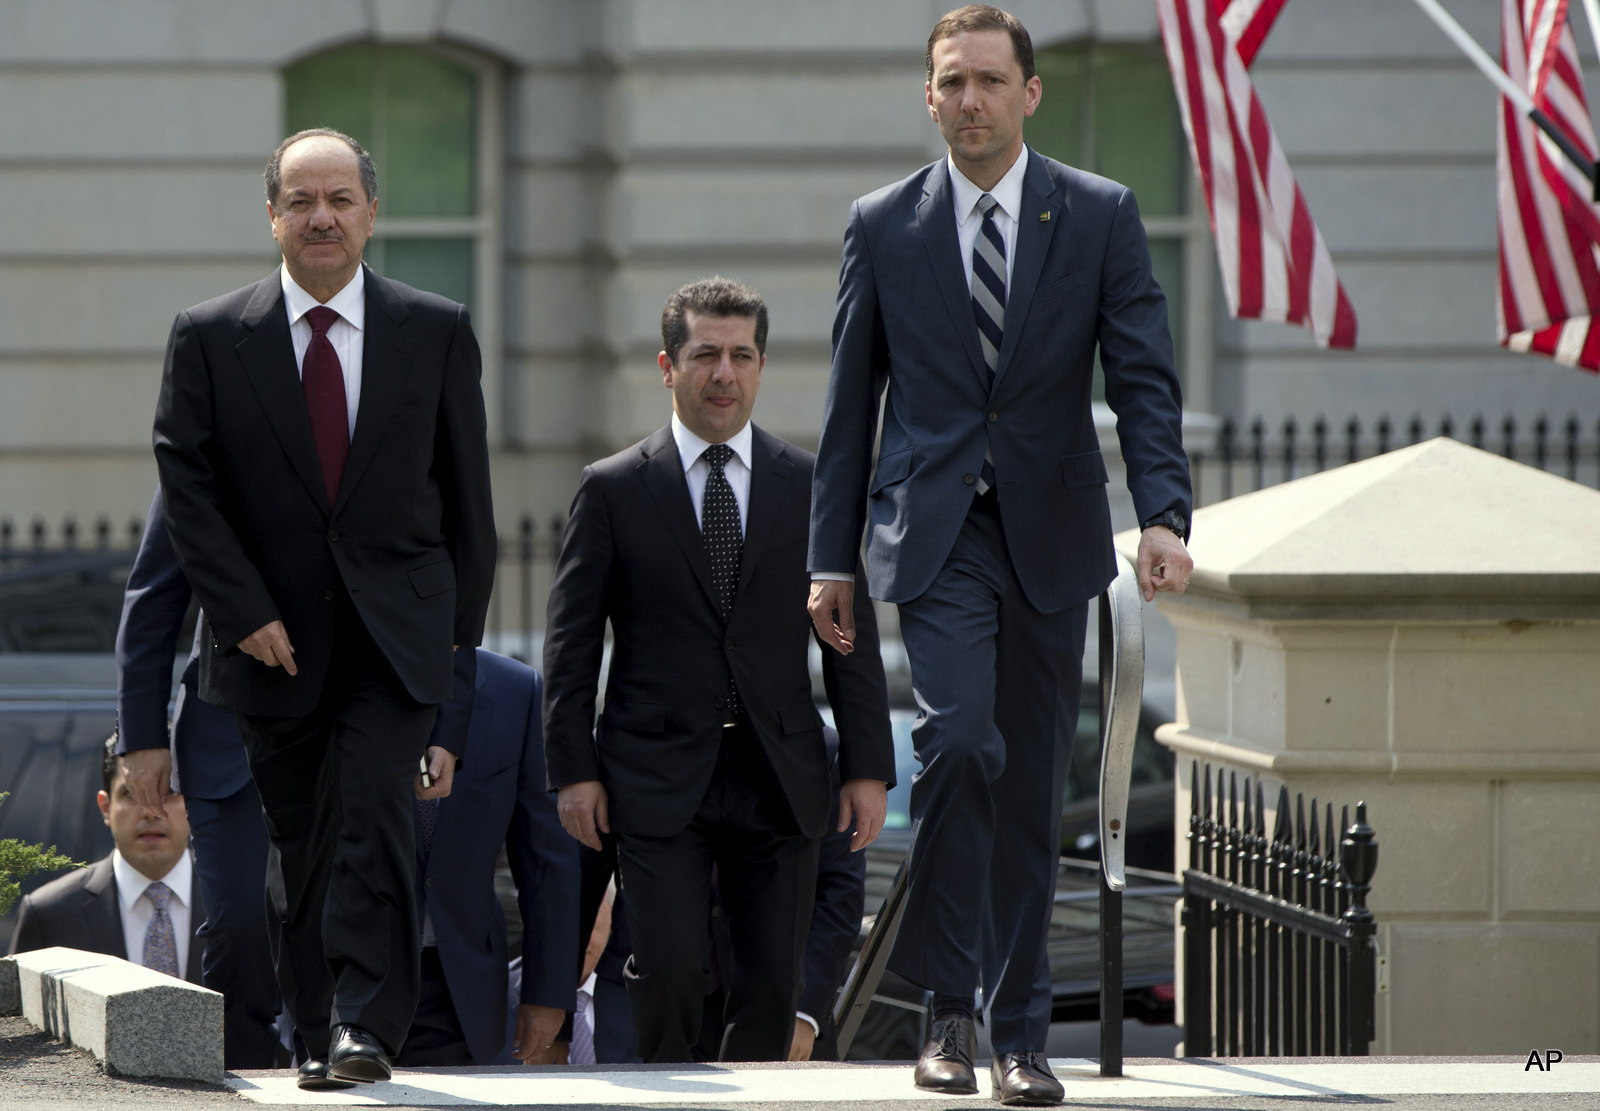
(160, 943)
(989, 305)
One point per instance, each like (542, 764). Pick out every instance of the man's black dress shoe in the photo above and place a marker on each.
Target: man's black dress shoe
(357, 1056)
(1024, 1080)
(314, 1077)
(946, 1062)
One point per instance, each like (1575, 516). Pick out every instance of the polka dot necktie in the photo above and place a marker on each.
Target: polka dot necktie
(719, 524)
(160, 943)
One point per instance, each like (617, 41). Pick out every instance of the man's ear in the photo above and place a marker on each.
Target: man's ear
(666, 369)
(105, 807)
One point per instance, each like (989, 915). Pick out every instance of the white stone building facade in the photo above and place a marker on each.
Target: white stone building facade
(601, 152)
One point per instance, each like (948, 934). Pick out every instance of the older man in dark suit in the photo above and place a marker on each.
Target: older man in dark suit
(320, 437)
(691, 544)
(140, 903)
(978, 292)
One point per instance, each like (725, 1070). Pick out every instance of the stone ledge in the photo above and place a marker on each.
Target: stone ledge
(10, 989)
(1204, 744)
(136, 1022)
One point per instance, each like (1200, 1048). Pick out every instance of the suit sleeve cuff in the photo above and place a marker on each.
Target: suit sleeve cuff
(809, 1021)
(832, 576)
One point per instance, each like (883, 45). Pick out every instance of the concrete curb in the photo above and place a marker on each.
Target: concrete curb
(10, 987)
(135, 1021)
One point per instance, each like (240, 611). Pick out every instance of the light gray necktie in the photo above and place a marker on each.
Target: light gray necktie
(160, 943)
(582, 1049)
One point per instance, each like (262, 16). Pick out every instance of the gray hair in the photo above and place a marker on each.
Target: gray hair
(274, 174)
(716, 296)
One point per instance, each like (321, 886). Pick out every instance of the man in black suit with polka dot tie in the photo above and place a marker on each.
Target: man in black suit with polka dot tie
(709, 755)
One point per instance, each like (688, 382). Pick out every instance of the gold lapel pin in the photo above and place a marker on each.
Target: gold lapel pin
(1044, 217)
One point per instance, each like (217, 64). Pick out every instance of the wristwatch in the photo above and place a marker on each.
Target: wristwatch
(1173, 520)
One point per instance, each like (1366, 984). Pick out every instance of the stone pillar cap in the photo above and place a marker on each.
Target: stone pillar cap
(1438, 530)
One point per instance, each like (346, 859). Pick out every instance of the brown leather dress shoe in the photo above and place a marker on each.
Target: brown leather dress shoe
(314, 1077)
(946, 1062)
(1024, 1080)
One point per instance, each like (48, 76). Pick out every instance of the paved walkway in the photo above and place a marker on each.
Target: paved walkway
(843, 1085)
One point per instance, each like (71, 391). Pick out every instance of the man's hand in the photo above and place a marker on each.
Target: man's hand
(270, 644)
(1164, 562)
(804, 1038)
(582, 807)
(149, 777)
(867, 801)
(441, 769)
(535, 1039)
(827, 597)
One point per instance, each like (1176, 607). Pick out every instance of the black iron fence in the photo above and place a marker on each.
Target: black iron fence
(1250, 456)
(521, 584)
(1278, 949)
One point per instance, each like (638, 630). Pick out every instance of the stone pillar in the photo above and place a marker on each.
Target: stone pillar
(1421, 631)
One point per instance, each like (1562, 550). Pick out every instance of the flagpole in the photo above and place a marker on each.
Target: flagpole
(1591, 8)
(1513, 92)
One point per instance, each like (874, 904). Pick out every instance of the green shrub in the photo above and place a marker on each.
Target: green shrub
(18, 860)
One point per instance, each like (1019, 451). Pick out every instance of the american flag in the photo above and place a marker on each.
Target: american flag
(1275, 265)
(1549, 263)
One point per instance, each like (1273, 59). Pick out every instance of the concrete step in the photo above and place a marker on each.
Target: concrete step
(852, 1084)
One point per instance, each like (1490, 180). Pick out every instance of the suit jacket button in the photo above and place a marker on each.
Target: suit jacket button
(728, 644)
(327, 595)
(716, 912)
(428, 882)
(968, 479)
(993, 417)
(722, 703)
(333, 535)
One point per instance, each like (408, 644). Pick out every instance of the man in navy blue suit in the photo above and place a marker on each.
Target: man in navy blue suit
(978, 292)
(498, 799)
(229, 836)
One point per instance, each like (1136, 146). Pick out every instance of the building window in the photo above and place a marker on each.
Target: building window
(417, 112)
(1109, 109)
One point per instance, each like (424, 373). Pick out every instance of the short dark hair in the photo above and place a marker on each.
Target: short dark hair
(716, 296)
(274, 174)
(984, 17)
(110, 763)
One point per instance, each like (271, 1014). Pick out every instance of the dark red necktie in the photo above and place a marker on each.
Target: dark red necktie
(322, 379)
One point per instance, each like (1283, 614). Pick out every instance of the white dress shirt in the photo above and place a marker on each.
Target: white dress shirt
(696, 470)
(345, 334)
(1007, 193)
(137, 910)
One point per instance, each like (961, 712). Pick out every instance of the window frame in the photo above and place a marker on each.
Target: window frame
(1192, 229)
(485, 228)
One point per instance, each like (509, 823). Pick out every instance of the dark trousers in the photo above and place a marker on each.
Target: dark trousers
(999, 685)
(336, 790)
(435, 1038)
(230, 860)
(766, 872)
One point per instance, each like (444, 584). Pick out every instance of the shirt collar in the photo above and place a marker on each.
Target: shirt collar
(350, 302)
(690, 446)
(1007, 192)
(131, 882)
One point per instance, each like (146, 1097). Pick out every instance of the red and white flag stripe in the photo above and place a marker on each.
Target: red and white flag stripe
(1275, 265)
(1247, 23)
(1549, 263)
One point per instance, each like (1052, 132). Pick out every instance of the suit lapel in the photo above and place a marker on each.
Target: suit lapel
(385, 361)
(937, 221)
(662, 472)
(769, 483)
(1039, 197)
(107, 927)
(267, 355)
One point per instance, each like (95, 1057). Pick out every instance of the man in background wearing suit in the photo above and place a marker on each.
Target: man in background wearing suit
(204, 761)
(498, 799)
(139, 903)
(691, 544)
(977, 292)
(320, 437)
